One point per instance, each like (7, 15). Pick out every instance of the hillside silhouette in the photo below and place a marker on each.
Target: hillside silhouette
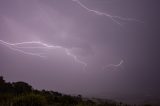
(22, 94)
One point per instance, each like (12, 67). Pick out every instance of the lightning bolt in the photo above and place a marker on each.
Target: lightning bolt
(39, 45)
(112, 17)
(114, 65)
(23, 46)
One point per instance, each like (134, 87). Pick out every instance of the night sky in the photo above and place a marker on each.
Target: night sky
(97, 48)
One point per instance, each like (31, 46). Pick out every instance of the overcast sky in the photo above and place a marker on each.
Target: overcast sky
(99, 56)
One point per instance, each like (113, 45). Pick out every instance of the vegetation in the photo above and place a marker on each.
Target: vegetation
(22, 94)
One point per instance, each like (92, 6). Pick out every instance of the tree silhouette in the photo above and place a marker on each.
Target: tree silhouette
(21, 87)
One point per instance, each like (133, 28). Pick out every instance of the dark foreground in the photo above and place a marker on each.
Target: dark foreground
(22, 94)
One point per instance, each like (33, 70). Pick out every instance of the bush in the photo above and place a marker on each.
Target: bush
(29, 100)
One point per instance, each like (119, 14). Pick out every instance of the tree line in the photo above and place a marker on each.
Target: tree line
(22, 94)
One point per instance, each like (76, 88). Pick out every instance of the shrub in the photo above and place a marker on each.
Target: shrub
(29, 100)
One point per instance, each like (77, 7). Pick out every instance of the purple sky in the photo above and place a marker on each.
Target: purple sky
(98, 55)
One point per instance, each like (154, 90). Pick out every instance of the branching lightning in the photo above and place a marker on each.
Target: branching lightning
(23, 45)
(112, 17)
(113, 65)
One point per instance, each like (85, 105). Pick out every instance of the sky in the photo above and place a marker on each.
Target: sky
(97, 48)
